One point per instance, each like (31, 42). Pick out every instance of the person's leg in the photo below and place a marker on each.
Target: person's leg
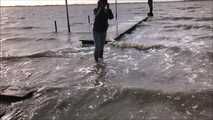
(102, 43)
(97, 45)
(150, 3)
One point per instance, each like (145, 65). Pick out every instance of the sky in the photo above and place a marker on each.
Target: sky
(60, 2)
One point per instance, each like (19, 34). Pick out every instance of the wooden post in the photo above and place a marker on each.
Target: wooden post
(68, 21)
(89, 22)
(116, 16)
(56, 28)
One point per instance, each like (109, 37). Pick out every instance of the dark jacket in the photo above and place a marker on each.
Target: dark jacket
(101, 19)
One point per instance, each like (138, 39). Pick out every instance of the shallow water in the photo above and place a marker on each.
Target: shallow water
(161, 71)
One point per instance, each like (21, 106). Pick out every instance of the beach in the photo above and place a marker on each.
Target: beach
(163, 70)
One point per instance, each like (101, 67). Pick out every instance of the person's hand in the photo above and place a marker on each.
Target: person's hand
(107, 5)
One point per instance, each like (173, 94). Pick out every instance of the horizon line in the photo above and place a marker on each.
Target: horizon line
(87, 3)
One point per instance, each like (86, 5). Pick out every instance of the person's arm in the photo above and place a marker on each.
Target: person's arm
(109, 12)
(95, 11)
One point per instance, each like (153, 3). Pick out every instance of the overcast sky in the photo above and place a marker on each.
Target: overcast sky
(60, 2)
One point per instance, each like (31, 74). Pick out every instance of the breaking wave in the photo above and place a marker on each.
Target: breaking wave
(21, 18)
(207, 19)
(189, 27)
(21, 28)
(205, 38)
(43, 39)
(188, 8)
(137, 46)
(63, 53)
(17, 39)
(177, 18)
(204, 19)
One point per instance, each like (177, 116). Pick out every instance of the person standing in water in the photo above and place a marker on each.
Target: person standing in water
(150, 3)
(102, 14)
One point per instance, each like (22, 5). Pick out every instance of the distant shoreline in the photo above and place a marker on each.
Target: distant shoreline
(110, 3)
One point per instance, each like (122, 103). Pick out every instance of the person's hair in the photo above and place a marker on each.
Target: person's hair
(100, 1)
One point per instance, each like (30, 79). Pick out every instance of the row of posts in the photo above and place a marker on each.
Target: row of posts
(56, 26)
(89, 20)
(68, 21)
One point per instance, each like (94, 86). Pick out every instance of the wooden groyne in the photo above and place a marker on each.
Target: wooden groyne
(129, 30)
(125, 28)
